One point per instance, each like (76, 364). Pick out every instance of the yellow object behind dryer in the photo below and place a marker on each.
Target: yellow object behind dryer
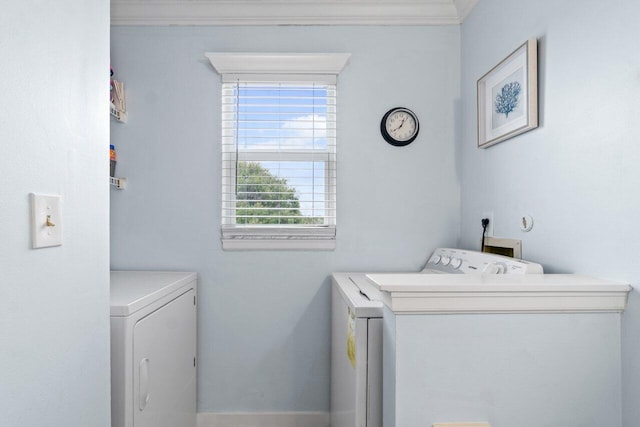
(351, 338)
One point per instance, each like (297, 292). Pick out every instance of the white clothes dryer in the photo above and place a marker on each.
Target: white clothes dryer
(153, 349)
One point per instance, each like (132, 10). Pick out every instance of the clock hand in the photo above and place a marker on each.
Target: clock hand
(403, 120)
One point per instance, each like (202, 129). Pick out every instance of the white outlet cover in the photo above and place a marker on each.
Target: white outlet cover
(526, 223)
(43, 207)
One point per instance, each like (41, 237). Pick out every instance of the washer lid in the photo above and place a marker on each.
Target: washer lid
(133, 290)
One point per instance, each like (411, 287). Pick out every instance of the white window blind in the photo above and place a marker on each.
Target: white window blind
(278, 149)
(278, 159)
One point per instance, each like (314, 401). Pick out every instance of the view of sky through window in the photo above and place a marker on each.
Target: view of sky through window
(283, 129)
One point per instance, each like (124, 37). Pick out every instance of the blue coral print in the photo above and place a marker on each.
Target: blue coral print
(507, 99)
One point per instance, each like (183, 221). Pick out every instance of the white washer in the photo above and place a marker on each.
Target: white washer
(356, 331)
(153, 349)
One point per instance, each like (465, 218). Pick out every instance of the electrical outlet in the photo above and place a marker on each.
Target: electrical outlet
(489, 215)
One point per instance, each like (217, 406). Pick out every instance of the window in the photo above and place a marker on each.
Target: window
(278, 150)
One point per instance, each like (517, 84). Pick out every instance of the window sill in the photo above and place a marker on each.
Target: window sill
(278, 245)
(278, 239)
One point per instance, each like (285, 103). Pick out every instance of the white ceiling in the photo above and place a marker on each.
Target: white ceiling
(289, 12)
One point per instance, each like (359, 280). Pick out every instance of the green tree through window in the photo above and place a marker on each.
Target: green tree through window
(264, 199)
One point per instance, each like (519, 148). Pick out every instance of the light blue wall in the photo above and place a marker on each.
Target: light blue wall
(578, 174)
(264, 316)
(54, 135)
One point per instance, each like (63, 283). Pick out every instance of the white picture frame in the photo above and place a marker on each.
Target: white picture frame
(508, 96)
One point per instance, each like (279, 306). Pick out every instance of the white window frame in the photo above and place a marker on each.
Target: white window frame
(303, 67)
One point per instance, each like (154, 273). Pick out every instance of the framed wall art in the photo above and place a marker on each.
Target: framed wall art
(508, 97)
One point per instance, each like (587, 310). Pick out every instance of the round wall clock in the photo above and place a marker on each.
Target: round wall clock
(399, 126)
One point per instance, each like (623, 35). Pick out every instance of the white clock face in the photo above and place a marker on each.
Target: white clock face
(401, 125)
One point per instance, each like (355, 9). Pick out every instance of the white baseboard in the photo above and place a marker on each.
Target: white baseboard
(263, 419)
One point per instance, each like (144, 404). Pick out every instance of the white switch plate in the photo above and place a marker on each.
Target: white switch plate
(45, 207)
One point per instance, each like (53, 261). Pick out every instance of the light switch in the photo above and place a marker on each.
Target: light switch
(46, 221)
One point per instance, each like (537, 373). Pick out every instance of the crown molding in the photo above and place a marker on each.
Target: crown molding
(464, 7)
(294, 12)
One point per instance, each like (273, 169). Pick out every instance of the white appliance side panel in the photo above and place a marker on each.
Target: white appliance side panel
(348, 382)
(164, 372)
(361, 335)
(374, 373)
(121, 380)
(389, 368)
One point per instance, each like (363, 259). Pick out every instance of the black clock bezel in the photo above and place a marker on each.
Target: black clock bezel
(391, 140)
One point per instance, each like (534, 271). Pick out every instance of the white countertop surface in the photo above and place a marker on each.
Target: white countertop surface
(493, 293)
(415, 282)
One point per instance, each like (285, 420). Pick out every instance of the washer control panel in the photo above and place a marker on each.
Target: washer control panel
(459, 261)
